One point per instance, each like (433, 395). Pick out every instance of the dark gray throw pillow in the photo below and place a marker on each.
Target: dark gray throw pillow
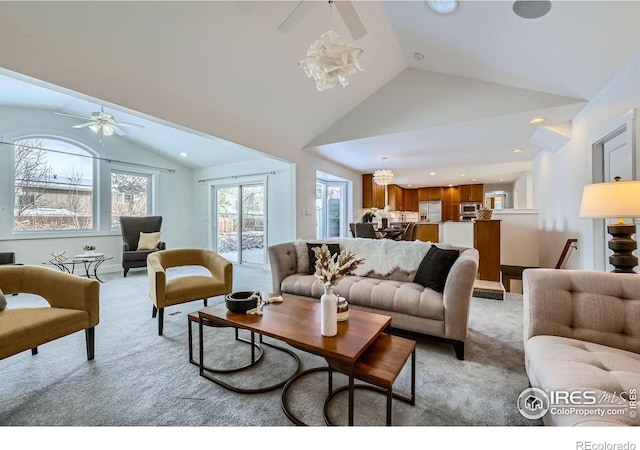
(3, 301)
(333, 249)
(435, 267)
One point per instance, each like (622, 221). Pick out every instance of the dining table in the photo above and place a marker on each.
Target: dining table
(392, 232)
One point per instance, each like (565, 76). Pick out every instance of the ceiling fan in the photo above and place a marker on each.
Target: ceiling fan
(345, 8)
(102, 122)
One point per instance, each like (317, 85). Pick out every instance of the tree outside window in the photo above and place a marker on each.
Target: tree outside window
(129, 196)
(53, 186)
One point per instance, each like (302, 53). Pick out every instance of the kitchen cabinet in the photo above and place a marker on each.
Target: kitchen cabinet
(486, 238)
(472, 193)
(451, 204)
(396, 197)
(428, 232)
(372, 193)
(411, 200)
(430, 193)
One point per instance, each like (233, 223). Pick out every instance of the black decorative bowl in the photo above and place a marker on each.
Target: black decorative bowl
(242, 301)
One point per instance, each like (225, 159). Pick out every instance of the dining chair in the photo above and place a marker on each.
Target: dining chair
(366, 230)
(409, 233)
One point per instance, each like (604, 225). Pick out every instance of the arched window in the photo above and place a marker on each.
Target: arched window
(53, 185)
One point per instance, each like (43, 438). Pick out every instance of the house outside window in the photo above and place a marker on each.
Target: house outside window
(53, 185)
(130, 196)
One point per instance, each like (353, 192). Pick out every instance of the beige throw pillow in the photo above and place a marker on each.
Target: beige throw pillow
(148, 241)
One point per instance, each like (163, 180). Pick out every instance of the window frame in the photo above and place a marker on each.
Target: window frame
(151, 176)
(91, 153)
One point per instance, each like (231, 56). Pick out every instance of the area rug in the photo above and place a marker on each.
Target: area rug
(141, 379)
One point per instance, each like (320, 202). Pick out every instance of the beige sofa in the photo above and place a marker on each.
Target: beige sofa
(582, 336)
(385, 285)
(74, 305)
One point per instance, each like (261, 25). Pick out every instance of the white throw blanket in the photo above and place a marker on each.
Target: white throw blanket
(383, 256)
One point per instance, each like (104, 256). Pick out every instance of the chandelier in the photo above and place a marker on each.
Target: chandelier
(383, 177)
(330, 60)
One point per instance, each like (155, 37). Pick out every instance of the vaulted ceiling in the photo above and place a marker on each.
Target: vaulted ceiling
(225, 72)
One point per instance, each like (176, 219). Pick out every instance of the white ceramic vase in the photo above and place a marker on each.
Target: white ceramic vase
(328, 313)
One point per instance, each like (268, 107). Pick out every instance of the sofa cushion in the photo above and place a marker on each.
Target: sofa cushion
(384, 295)
(556, 363)
(435, 267)
(334, 249)
(136, 256)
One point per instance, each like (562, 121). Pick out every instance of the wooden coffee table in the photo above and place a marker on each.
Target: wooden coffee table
(296, 321)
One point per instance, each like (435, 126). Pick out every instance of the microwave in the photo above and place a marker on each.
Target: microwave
(468, 209)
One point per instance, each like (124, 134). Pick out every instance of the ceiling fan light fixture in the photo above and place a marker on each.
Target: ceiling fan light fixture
(443, 6)
(107, 129)
(95, 127)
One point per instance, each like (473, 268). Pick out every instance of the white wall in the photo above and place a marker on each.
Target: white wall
(523, 191)
(519, 236)
(173, 191)
(560, 177)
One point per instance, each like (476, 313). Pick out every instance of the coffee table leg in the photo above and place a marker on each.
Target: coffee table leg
(200, 346)
(351, 396)
(253, 347)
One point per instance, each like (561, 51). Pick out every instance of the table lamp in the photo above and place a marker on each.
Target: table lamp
(615, 199)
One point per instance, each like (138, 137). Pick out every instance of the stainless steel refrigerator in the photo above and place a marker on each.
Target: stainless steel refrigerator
(430, 211)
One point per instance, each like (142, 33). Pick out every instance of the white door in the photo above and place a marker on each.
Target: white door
(618, 162)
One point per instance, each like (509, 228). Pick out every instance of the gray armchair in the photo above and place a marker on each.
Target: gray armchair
(131, 228)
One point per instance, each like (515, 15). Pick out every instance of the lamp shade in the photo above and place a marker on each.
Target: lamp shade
(608, 200)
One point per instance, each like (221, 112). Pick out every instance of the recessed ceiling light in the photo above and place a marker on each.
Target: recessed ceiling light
(463, 175)
(443, 6)
(517, 150)
(537, 120)
(530, 9)
(451, 185)
(409, 185)
(474, 179)
(183, 154)
(501, 179)
(432, 173)
(418, 56)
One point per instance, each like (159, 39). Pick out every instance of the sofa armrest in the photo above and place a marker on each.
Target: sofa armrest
(284, 262)
(597, 307)
(457, 294)
(59, 289)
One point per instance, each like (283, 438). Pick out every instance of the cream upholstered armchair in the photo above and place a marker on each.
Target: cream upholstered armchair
(167, 291)
(73, 305)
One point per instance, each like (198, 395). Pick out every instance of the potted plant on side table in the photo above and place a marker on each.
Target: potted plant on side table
(89, 250)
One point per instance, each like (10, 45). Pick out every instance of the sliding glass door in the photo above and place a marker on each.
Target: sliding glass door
(331, 211)
(240, 222)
